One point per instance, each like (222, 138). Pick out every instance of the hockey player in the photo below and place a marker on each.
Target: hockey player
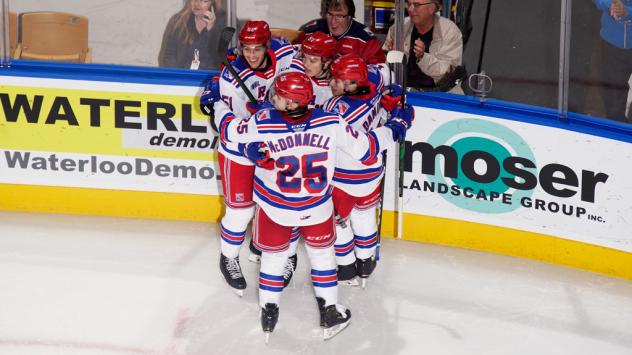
(295, 149)
(261, 59)
(314, 59)
(356, 88)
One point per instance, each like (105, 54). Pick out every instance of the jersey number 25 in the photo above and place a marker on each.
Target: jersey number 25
(314, 176)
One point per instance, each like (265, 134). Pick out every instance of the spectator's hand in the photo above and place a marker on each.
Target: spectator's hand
(419, 49)
(618, 10)
(389, 43)
(258, 153)
(210, 18)
(400, 122)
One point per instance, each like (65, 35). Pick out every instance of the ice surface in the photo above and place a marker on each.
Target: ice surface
(96, 285)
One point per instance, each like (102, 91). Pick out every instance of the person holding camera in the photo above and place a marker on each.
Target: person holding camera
(191, 36)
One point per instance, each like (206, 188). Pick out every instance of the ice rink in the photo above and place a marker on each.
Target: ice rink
(95, 285)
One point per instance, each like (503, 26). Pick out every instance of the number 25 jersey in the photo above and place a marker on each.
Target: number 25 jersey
(298, 191)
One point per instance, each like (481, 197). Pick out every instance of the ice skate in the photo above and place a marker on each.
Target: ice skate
(321, 310)
(269, 317)
(337, 318)
(255, 254)
(364, 268)
(347, 275)
(290, 267)
(232, 274)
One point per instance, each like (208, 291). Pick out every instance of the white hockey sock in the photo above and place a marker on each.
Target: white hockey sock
(294, 241)
(324, 278)
(233, 229)
(364, 226)
(344, 245)
(271, 277)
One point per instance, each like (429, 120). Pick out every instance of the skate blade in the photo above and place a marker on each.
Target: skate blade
(239, 293)
(353, 282)
(363, 283)
(331, 332)
(266, 337)
(255, 258)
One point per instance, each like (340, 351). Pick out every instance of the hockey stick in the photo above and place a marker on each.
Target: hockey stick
(399, 57)
(380, 211)
(222, 46)
(382, 184)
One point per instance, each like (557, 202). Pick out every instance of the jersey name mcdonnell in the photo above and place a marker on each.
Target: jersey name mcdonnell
(299, 140)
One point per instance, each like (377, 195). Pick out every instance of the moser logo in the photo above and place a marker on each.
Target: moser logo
(485, 167)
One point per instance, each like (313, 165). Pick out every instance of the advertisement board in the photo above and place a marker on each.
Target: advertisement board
(495, 177)
(518, 175)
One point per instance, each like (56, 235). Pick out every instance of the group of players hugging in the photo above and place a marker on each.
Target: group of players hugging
(305, 161)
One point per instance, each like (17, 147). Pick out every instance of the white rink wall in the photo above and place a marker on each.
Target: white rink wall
(130, 32)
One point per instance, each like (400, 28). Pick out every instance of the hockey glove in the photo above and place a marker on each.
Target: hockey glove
(231, 54)
(258, 153)
(392, 97)
(210, 96)
(400, 122)
(254, 108)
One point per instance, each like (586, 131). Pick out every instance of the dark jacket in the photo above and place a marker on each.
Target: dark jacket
(176, 53)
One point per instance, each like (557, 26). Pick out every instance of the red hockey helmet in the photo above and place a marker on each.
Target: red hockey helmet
(350, 67)
(295, 86)
(320, 44)
(255, 32)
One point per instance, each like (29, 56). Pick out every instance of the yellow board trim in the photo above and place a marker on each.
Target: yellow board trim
(102, 202)
(434, 230)
(512, 242)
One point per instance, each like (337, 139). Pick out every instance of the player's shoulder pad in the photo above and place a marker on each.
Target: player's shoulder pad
(238, 64)
(279, 42)
(341, 106)
(281, 49)
(263, 116)
(226, 75)
(375, 76)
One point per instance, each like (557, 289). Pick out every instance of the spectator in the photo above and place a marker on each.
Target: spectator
(191, 36)
(616, 53)
(352, 36)
(433, 44)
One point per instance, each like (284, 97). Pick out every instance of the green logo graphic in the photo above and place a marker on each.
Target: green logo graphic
(466, 135)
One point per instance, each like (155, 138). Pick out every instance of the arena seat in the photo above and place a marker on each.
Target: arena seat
(288, 33)
(53, 36)
(13, 32)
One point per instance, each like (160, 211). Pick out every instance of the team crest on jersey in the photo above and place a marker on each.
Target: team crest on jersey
(342, 108)
(226, 75)
(263, 115)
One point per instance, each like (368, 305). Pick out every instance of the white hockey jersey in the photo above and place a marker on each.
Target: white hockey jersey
(322, 90)
(363, 113)
(258, 82)
(298, 191)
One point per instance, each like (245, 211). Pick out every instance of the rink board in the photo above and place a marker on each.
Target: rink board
(132, 142)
